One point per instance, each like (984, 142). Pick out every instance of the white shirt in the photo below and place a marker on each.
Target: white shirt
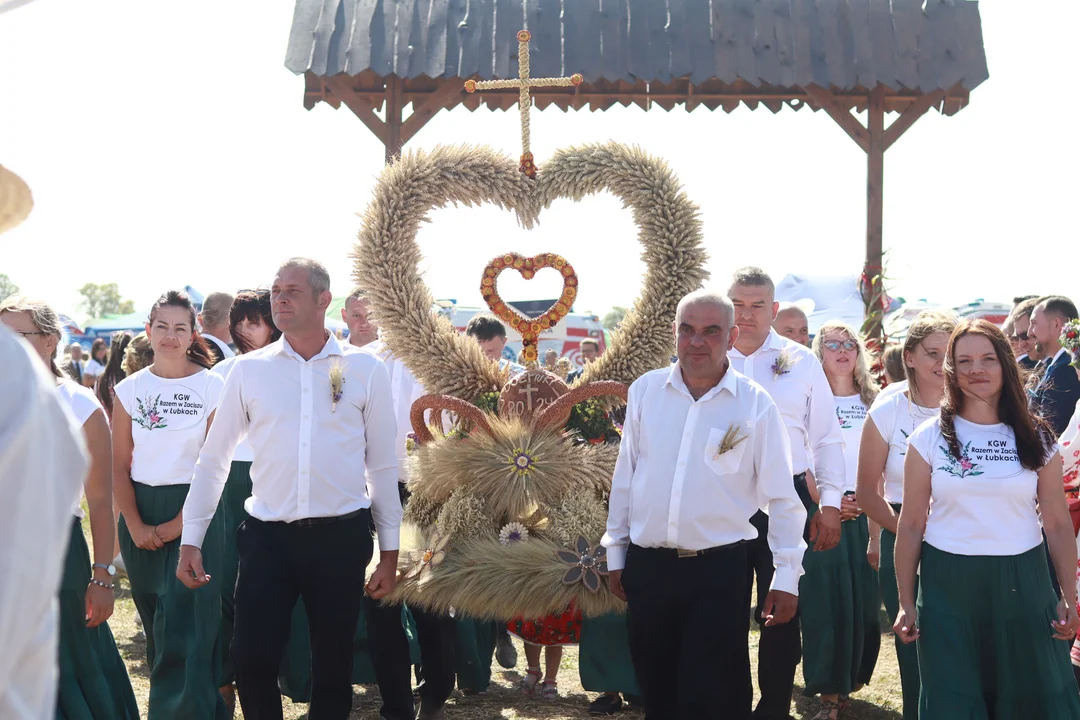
(168, 423)
(310, 461)
(670, 489)
(985, 503)
(896, 418)
(851, 414)
(244, 452)
(405, 389)
(81, 402)
(42, 468)
(226, 351)
(805, 401)
(93, 368)
(890, 389)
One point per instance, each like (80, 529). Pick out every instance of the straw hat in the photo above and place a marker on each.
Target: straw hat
(15, 199)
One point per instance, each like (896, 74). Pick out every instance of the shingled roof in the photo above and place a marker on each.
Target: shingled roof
(715, 53)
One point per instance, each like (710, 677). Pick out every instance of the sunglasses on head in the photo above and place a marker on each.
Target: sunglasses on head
(836, 345)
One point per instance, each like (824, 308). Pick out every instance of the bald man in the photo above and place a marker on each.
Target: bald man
(792, 323)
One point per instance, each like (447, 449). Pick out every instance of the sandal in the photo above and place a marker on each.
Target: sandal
(827, 709)
(550, 690)
(528, 684)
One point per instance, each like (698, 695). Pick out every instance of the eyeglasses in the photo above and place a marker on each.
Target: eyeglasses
(1022, 337)
(836, 345)
(28, 334)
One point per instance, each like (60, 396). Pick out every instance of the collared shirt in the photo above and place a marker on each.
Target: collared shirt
(805, 400)
(311, 460)
(673, 489)
(42, 467)
(405, 389)
(226, 351)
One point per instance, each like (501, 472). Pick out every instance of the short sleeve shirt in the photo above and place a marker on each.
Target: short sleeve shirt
(168, 423)
(984, 502)
(82, 403)
(896, 418)
(851, 414)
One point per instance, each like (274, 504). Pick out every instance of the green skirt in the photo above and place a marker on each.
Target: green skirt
(985, 646)
(182, 626)
(237, 491)
(839, 602)
(604, 656)
(474, 651)
(93, 679)
(907, 656)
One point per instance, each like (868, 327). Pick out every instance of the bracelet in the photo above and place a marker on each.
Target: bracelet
(107, 586)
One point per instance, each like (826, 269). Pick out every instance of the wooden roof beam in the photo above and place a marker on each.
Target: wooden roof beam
(340, 86)
(907, 118)
(439, 98)
(851, 125)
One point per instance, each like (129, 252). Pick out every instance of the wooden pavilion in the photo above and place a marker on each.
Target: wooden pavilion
(877, 56)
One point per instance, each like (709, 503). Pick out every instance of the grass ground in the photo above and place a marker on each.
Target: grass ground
(879, 701)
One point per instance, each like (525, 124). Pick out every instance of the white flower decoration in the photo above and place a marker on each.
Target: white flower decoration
(512, 533)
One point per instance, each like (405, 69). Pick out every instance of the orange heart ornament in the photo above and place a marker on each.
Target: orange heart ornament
(530, 328)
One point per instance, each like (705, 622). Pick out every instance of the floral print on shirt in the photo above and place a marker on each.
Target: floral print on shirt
(962, 468)
(149, 416)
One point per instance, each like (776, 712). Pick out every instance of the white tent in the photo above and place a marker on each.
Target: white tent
(824, 298)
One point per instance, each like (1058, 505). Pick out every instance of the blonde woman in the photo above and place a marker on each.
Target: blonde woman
(839, 593)
(882, 451)
(93, 679)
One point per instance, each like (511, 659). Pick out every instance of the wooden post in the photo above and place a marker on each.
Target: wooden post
(393, 118)
(875, 178)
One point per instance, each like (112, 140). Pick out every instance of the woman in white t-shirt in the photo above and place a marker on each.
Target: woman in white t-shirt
(99, 356)
(838, 594)
(93, 677)
(160, 420)
(889, 423)
(251, 328)
(993, 639)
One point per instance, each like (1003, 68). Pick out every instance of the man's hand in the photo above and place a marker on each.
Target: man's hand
(144, 537)
(167, 532)
(190, 568)
(825, 529)
(383, 580)
(615, 581)
(849, 508)
(779, 607)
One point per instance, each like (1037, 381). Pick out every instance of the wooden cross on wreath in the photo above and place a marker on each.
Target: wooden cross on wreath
(524, 83)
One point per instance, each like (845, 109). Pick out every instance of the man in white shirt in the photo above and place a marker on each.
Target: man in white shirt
(490, 334)
(320, 419)
(794, 379)
(214, 324)
(42, 467)
(791, 322)
(703, 448)
(357, 317)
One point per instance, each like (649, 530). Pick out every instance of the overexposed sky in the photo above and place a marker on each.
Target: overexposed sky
(166, 144)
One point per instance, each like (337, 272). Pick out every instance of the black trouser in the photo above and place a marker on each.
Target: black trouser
(279, 562)
(390, 654)
(779, 646)
(689, 632)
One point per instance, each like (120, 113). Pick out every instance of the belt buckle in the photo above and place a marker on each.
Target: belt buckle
(687, 553)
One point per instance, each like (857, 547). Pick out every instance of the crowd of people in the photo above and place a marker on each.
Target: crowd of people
(809, 479)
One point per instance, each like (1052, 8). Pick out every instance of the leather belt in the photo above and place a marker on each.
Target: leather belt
(681, 553)
(311, 522)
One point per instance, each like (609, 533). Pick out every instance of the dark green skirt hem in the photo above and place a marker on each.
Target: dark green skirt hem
(985, 644)
(93, 680)
(907, 655)
(604, 655)
(237, 491)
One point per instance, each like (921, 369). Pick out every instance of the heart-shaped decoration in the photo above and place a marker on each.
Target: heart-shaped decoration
(530, 328)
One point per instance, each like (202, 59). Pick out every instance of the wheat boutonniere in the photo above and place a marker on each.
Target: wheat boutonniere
(782, 364)
(337, 382)
(730, 441)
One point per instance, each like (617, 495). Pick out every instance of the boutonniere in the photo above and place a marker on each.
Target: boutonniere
(782, 364)
(337, 382)
(730, 441)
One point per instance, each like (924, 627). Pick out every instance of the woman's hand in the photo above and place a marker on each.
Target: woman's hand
(167, 532)
(145, 537)
(905, 626)
(873, 552)
(1067, 621)
(849, 508)
(99, 605)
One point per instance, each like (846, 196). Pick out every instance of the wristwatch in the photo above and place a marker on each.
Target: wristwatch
(111, 569)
